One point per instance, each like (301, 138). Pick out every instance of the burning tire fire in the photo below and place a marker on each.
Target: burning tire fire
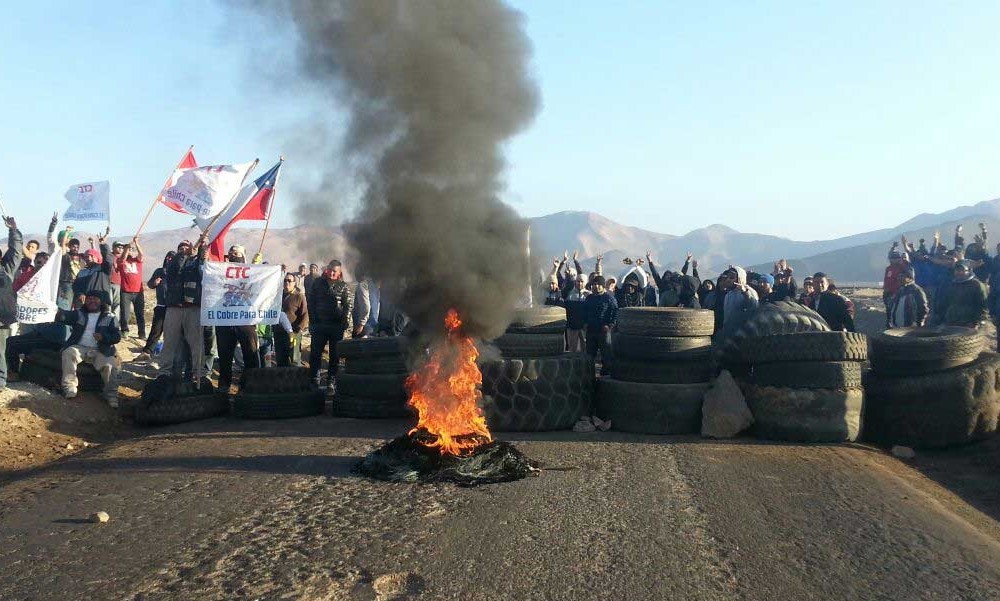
(451, 441)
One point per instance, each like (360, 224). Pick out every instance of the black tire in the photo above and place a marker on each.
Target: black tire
(657, 372)
(276, 380)
(366, 348)
(165, 388)
(180, 409)
(941, 409)
(651, 408)
(376, 365)
(667, 348)
(390, 387)
(666, 321)
(279, 406)
(530, 345)
(771, 319)
(365, 408)
(537, 394)
(806, 346)
(537, 319)
(48, 374)
(546, 329)
(808, 374)
(907, 351)
(805, 414)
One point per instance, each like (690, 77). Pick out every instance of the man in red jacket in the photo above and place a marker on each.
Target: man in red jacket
(129, 270)
(890, 283)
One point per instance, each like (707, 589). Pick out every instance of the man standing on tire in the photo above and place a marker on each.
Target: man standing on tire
(908, 306)
(182, 320)
(602, 313)
(963, 303)
(227, 337)
(93, 336)
(330, 303)
(833, 307)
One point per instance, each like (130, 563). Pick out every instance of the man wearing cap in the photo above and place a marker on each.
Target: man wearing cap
(227, 337)
(93, 335)
(182, 320)
(307, 282)
(892, 281)
(908, 306)
(96, 275)
(963, 302)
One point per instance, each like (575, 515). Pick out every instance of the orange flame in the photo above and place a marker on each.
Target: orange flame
(445, 392)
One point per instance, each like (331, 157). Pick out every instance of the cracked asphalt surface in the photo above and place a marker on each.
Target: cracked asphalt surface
(226, 509)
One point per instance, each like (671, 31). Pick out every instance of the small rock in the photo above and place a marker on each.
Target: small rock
(100, 517)
(86, 444)
(69, 446)
(903, 452)
(38, 435)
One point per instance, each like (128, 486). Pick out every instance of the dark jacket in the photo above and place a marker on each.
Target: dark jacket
(161, 288)
(296, 309)
(8, 271)
(688, 295)
(107, 327)
(330, 304)
(908, 307)
(183, 279)
(575, 303)
(834, 308)
(783, 291)
(962, 304)
(600, 310)
(96, 278)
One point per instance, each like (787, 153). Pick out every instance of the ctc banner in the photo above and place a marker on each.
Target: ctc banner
(36, 300)
(88, 202)
(235, 294)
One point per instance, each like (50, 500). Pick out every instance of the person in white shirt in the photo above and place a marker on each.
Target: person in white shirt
(94, 332)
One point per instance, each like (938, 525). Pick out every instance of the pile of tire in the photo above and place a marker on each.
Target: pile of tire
(660, 372)
(806, 387)
(372, 383)
(536, 386)
(44, 367)
(770, 319)
(278, 393)
(168, 400)
(931, 388)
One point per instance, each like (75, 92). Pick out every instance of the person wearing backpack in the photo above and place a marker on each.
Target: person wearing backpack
(330, 304)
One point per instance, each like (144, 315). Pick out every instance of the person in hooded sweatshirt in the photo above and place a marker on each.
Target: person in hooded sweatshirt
(832, 306)
(632, 292)
(740, 298)
(784, 285)
(687, 292)
(553, 295)
(157, 282)
(97, 273)
(963, 303)
(908, 306)
(574, 299)
(706, 294)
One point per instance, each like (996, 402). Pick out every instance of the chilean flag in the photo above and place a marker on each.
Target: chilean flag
(253, 203)
(187, 162)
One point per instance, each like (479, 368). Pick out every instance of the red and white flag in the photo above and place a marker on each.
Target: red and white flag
(253, 203)
(205, 191)
(186, 163)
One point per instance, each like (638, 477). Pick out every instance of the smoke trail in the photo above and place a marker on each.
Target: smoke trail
(433, 89)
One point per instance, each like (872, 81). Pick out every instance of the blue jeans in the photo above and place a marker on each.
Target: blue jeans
(4, 334)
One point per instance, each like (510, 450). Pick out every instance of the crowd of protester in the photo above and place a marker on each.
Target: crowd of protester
(101, 295)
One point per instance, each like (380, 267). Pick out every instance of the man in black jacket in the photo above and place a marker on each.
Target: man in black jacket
(330, 305)
(908, 306)
(158, 283)
(831, 305)
(227, 337)
(93, 336)
(8, 298)
(96, 275)
(182, 320)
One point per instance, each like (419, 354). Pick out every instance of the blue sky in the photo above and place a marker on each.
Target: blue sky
(796, 119)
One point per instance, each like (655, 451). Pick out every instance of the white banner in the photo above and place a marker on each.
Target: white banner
(88, 202)
(205, 191)
(36, 300)
(237, 294)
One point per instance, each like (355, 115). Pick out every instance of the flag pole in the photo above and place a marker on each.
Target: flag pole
(270, 208)
(228, 204)
(3, 209)
(160, 193)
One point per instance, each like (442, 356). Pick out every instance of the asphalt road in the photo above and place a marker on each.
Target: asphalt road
(224, 509)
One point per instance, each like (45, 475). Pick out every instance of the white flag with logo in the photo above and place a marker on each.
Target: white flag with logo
(88, 202)
(238, 294)
(36, 300)
(205, 191)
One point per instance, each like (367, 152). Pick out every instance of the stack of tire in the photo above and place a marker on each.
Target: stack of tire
(806, 387)
(661, 370)
(169, 400)
(536, 386)
(931, 388)
(278, 393)
(372, 383)
(44, 367)
(770, 319)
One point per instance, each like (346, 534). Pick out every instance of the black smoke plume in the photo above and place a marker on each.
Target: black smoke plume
(433, 88)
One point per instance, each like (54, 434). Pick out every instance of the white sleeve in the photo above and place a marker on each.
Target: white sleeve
(283, 322)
